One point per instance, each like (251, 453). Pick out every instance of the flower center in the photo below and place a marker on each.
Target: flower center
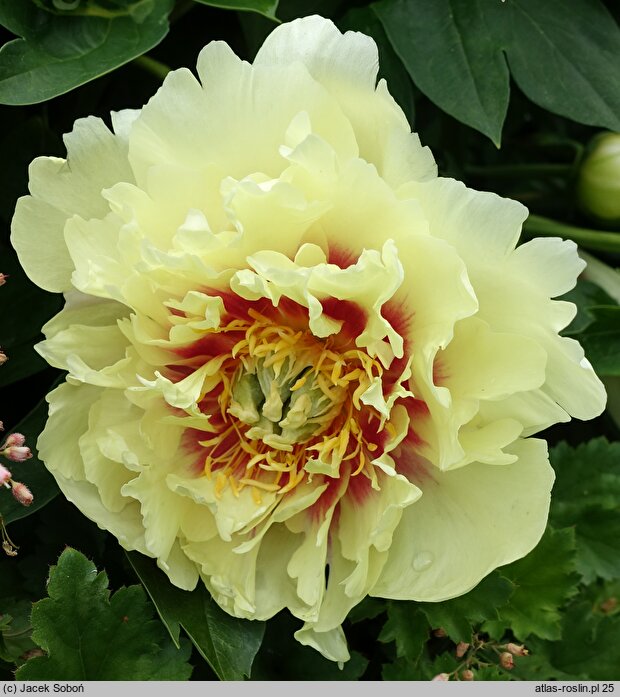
(290, 406)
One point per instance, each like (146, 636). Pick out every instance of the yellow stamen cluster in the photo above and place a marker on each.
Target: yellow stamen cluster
(237, 460)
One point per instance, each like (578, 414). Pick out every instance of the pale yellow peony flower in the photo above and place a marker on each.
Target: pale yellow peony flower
(290, 346)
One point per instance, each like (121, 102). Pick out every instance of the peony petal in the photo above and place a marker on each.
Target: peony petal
(347, 65)
(468, 522)
(96, 159)
(67, 421)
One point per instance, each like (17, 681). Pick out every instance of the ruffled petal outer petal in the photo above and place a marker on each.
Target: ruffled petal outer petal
(466, 523)
(60, 189)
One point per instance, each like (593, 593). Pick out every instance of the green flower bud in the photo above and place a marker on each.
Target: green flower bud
(598, 187)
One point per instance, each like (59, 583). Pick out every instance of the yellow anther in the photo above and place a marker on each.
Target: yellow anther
(255, 460)
(361, 465)
(299, 383)
(220, 484)
(233, 486)
(259, 485)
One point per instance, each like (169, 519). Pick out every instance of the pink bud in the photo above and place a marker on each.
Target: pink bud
(517, 650)
(5, 475)
(443, 677)
(3, 277)
(23, 494)
(1, 426)
(3, 357)
(14, 439)
(17, 453)
(467, 674)
(506, 660)
(461, 649)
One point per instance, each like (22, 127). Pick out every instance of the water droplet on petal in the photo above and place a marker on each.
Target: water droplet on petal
(422, 561)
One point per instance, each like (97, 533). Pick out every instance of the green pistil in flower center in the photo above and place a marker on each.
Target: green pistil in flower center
(286, 407)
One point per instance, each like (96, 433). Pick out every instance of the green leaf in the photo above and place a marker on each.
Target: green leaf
(452, 56)
(493, 673)
(457, 616)
(31, 472)
(368, 609)
(57, 53)
(601, 339)
(227, 643)
(408, 627)
(590, 648)
(391, 68)
(587, 495)
(454, 50)
(566, 62)
(537, 667)
(15, 629)
(584, 295)
(586, 475)
(544, 580)
(598, 538)
(264, 7)
(89, 635)
(138, 9)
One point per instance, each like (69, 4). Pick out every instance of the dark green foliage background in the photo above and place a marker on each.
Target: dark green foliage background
(471, 75)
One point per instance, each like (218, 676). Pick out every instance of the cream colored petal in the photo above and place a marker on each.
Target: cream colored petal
(272, 212)
(68, 420)
(274, 588)
(468, 522)
(534, 410)
(231, 513)
(182, 571)
(125, 525)
(122, 122)
(485, 442)
(88, 311)
(512, 289)
(482, 226)
(371, 522)
(332, 643)
(109, 476)
(329, 55)
(162, 510)
(347, 66)
(93, 247)
(229, 576)
(550, 264)
(38, 238)
(482, 364)
(238, 121)
(511, 303)
(96, 158)
(86, 352)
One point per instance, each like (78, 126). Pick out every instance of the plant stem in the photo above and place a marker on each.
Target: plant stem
(537, 226)
(152, 66)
